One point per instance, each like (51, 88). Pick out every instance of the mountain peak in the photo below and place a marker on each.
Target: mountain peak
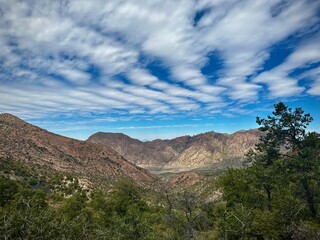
(100, 136)
(8, 117)
(20, 141)
(182, 153)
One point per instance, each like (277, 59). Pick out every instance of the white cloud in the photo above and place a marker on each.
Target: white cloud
(161, 126)
(75, 76)
(244, 32)
(141, 77)
(92, 44)
(314, 74)
(278, 79)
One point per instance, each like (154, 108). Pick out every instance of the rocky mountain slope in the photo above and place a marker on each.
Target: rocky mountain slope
(182, 153)
(21, 141)
(148, 154)
(184, 179)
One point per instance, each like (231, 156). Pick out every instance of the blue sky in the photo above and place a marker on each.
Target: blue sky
(157, 69)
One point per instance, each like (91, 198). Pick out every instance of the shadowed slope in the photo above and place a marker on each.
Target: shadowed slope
(182, 153)
(21, 141)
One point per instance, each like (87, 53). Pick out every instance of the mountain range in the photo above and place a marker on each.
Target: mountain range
(26, 143)
(115, 155)
(185, 153)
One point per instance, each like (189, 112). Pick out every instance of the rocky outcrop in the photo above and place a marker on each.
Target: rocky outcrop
(182, 153)
(21, 141)
(184, 179)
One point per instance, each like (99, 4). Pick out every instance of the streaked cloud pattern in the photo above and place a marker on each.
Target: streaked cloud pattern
(156, 59)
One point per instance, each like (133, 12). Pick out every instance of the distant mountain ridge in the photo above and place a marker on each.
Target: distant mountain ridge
(21, 141)
(182, 153)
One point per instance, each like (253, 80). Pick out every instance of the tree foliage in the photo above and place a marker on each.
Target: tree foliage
(276, 196)
(279, 190)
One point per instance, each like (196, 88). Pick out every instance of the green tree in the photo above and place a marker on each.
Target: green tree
(286, 128)
(8, 188)
(278, 194)
(304, 169)
(122, 214)
(286, 136)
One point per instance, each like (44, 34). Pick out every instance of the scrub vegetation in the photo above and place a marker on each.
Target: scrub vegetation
(275, 195)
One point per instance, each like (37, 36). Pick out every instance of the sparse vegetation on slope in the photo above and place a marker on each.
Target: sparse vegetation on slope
(203, 151)
(276, 196)
(23, 142)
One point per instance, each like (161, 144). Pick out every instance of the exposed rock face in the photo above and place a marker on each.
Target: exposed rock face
(183, 153)
(184, 179)
(21, 141)
(145, 154)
